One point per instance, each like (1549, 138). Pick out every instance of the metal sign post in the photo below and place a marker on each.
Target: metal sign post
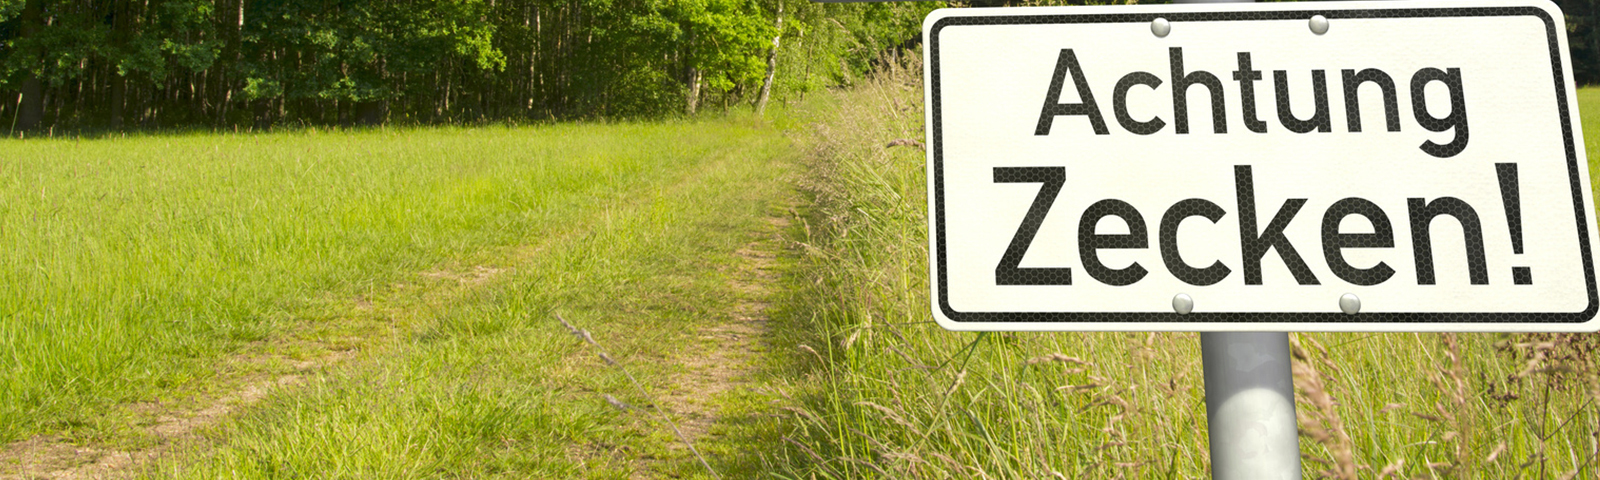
(1250, 417)
(1250, 406)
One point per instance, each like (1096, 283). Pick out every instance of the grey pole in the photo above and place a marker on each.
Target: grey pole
(1249, 399)
(1250, 406)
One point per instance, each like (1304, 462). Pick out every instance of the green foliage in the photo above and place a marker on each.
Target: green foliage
(231, 62)
(837, 43)
(360, 51)
(726, 37)
(1583, 38)
(222, 62)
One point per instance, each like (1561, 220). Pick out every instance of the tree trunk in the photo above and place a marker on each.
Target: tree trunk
(772, 66)
(30, 110)
(370, 113)
(119, 88)
(233, 28)
(121, 27)
(694, 90)
(1594, 33)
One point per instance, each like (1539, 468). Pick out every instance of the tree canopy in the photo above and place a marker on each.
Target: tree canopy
(158, 63)
(152, 63)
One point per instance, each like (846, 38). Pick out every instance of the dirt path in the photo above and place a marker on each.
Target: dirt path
(49, 457)
(161, 430)
(723, 361)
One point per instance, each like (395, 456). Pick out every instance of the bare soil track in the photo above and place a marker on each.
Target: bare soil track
(720, 363)
(724, 359)
(50, 457)
(166, 429)
(726, 365)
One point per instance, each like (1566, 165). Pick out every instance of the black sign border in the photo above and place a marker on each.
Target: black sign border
(1376, 318)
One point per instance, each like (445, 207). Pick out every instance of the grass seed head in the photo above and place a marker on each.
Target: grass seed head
(960, 377)
(1495, 454)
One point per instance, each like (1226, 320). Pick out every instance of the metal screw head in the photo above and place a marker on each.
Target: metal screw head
(1319, 24)
(1161, 27)
(1350, 304)
(1182, 304)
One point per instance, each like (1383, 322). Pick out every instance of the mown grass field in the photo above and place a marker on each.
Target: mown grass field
(386, 300)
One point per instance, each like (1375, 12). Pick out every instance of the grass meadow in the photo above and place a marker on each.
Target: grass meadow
(391, 298)
(147, 273)
(489, 385)
(885, 392)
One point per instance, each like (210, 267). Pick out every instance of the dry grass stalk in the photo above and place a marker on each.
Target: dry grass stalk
(814, 353)
(906, 464)
(804, 448)
(1570, 359)
(1078, 388)
(914, 363)
(1321, 421)
(905, 456)
(905, 142)
(892, 416)
(1115, 452)
(851, 339)
(876, 445)
(1453, 411)
(1427, 417)
(584, 334)
(1394, 470)
(1536, 353)
(1495, 454)
(621, 405)
(802, 413)
(956, 385)
(1538, 360)
(1056, 357)
(1594, 393)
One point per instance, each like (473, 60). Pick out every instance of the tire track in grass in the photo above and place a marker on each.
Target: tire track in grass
(723, 364)
(710, 365)
(52, 458)
(169, 430)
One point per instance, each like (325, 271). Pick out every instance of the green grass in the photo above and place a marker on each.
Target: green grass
(133, 269)
(171, 270)
(493, 386)
(890, 394)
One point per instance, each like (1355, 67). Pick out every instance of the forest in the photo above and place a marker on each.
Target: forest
(116, 64)
(94, 64)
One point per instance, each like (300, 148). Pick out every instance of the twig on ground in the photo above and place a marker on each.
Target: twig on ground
(584, 335)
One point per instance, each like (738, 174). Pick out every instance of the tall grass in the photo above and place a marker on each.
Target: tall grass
(889, 394)
(130, 267)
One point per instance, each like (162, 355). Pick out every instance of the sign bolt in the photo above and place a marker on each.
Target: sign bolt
(1350, 304)
(1182, 304)
(1319, 24)
(1161, 27)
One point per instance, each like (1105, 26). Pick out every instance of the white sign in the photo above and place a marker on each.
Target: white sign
(1090, 164)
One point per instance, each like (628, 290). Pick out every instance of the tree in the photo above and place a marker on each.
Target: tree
(152, 63)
